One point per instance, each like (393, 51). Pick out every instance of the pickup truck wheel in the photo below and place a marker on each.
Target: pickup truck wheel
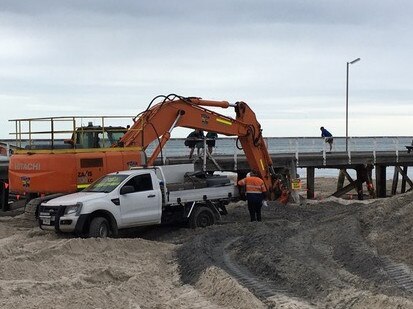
(99, 227)
(202, 217)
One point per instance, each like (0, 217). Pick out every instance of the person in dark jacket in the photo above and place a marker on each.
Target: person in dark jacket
(211, 136)
(328, 137)
(194, 139)
(256, 194)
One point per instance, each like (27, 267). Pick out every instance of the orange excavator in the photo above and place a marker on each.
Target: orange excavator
(51, 171)
(157, 122)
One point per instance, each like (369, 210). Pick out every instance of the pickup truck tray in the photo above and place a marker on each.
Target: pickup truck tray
(210, 193)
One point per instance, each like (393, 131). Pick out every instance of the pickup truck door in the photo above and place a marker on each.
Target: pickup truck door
(143, 206)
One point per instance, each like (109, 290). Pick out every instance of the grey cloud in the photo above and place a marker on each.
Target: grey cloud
(282, 57)
(218, 12)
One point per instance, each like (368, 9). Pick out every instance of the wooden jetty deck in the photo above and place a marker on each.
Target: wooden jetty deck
(363, 162)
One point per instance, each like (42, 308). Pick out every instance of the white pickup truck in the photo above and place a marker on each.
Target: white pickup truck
(138, 197)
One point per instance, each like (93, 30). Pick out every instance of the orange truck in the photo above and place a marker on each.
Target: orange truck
(81, 160)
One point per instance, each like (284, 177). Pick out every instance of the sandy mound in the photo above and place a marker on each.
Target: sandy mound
(388, 226)
(316, 253)
(42, 270)
(329, 254)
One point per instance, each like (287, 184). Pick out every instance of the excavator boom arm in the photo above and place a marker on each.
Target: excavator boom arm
(158, 121)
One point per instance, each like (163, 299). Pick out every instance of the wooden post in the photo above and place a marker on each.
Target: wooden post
(360, 171)
(369, 182)
(395, 181)
(381, 180)
(341, 178)
(4, 196)
(403, 189)
(345, 189)
(293, 173)
(405, 176)
(310, 182)
(2, 205)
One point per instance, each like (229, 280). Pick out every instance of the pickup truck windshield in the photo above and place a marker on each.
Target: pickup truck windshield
(106, 184)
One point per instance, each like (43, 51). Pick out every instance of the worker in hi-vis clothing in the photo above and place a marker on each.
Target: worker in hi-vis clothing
(256, 194)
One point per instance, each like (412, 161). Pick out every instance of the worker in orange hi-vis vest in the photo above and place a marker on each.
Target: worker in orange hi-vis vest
(256, 194)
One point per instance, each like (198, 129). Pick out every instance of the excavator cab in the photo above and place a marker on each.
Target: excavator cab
(96, 136)
(52, 133)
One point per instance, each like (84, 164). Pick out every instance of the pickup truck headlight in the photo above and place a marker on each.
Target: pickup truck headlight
(73, 209)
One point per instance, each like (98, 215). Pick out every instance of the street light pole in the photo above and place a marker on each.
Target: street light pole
(348, 65)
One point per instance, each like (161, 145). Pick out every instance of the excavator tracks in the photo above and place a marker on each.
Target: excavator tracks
(304, 258)
(400, 273)
(266, 291)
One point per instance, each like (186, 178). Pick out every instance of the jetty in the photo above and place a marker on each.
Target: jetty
(362, 162)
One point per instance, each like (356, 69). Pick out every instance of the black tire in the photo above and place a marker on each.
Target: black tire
(202, 217)
(99, 228)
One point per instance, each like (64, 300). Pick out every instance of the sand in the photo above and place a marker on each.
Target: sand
(331, 253)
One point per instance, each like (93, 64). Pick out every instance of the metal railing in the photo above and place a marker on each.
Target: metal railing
(54, 130)
(299, 145)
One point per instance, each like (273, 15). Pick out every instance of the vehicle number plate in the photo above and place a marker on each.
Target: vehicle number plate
(46, 221)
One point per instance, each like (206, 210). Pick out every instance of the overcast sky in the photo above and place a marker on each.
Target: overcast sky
(285, 58)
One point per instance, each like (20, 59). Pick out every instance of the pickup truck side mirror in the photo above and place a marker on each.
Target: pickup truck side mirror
(127, 189)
